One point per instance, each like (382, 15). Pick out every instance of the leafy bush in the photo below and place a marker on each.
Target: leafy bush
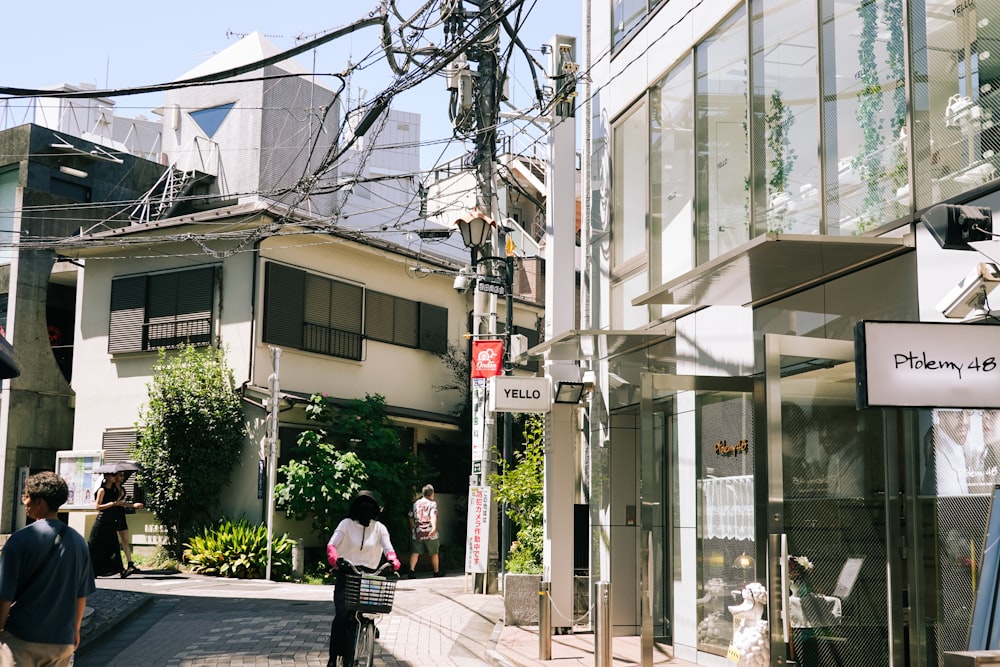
(353, 447)
(521, 490)
(238, 550)
(525, 556)
(189, 437)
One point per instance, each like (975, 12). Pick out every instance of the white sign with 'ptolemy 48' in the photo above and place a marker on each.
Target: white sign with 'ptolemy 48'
(923, 364)
(508, 393)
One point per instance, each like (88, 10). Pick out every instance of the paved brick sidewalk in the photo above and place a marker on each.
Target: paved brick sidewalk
(187, 621)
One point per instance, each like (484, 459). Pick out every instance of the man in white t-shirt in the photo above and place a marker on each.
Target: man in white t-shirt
(423, 530)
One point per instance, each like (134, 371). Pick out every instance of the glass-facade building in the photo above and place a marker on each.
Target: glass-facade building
(760, 176)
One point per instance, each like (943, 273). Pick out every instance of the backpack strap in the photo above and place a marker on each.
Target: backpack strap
(25, 583)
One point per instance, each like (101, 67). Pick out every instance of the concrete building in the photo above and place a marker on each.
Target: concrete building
(765, 176)
(52, 185)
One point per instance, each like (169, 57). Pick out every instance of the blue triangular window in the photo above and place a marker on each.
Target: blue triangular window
(209, 120)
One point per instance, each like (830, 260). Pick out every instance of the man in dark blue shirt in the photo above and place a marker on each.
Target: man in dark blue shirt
(45, 578)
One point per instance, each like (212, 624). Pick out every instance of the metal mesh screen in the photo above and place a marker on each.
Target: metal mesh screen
(954, 528)
(835, 517)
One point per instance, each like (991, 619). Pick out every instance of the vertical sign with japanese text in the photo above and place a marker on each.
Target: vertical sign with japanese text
(479, 419)
(477, 530)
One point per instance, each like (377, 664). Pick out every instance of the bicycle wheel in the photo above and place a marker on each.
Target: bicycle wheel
(364, 650)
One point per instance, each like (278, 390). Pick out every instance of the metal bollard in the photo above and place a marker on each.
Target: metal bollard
(602, 624)
(544, 621)
(298, 558)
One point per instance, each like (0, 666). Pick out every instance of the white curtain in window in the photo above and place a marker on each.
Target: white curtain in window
(728, 503)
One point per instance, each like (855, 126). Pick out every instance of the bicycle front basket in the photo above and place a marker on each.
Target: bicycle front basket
(368, 593)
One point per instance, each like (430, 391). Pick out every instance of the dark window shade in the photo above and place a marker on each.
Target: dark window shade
(161, 310)
(347, 308)
(379, 316)
(406, 324)
(284, 289)
(318, 300)
(116, 446)
(179, 308)
(128, 314)
(433, 331)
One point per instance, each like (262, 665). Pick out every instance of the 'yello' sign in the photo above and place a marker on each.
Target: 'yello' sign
(508, 393)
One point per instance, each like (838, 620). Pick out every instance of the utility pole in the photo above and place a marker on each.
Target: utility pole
(474, 114)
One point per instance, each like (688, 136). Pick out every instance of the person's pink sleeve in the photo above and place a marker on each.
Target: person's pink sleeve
(331, 555)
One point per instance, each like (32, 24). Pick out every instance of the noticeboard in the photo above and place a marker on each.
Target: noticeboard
(77, 468)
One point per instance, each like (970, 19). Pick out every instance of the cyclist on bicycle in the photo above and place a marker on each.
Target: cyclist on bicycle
(361, 539)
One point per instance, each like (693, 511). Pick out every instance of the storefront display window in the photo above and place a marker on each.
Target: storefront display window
(865, 138)
(785, 116)
(960, 457)
(722, 162)
(957, 96)
(671, 179)
(726, 512)
(631, 148)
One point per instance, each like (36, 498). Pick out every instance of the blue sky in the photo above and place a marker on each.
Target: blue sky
(117, 44)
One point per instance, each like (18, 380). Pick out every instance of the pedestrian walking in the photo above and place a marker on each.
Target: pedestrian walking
(45, 578)
(424, 531)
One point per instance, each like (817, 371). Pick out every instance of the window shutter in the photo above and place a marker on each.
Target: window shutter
(317, 300)
(116, 446)
(179, 307)
(433, 328)
(128, 314)
(406, 330)
(283, 305)
(379, 316)
(347, 306)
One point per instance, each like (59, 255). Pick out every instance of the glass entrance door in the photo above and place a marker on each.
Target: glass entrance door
(830, 551)
(696, 476)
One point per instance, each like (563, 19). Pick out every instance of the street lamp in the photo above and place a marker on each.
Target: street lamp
(477, 231)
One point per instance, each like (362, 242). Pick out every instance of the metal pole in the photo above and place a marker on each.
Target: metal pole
(602, 629)
(272, 453)
(544, 621)
(508, 418)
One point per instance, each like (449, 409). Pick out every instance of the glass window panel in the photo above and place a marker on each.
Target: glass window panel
(623, 314)
(726, 512)
(960, 459)
(628, 237)
(956, 98)
(626, 14)
(864, 98)
(671, 133)
(786, 114)
(723, 161)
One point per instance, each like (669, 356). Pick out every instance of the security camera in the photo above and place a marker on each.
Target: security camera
(462, 283)
(972, 293)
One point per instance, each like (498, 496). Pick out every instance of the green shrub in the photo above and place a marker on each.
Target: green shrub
(238, 550)
(525, 555)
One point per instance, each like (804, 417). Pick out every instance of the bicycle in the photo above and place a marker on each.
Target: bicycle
(366, 595)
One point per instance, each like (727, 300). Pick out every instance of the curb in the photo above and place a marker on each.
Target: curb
(110, 608)
(493, 656)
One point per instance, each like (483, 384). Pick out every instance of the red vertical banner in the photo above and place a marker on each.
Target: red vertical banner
(487, 358)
